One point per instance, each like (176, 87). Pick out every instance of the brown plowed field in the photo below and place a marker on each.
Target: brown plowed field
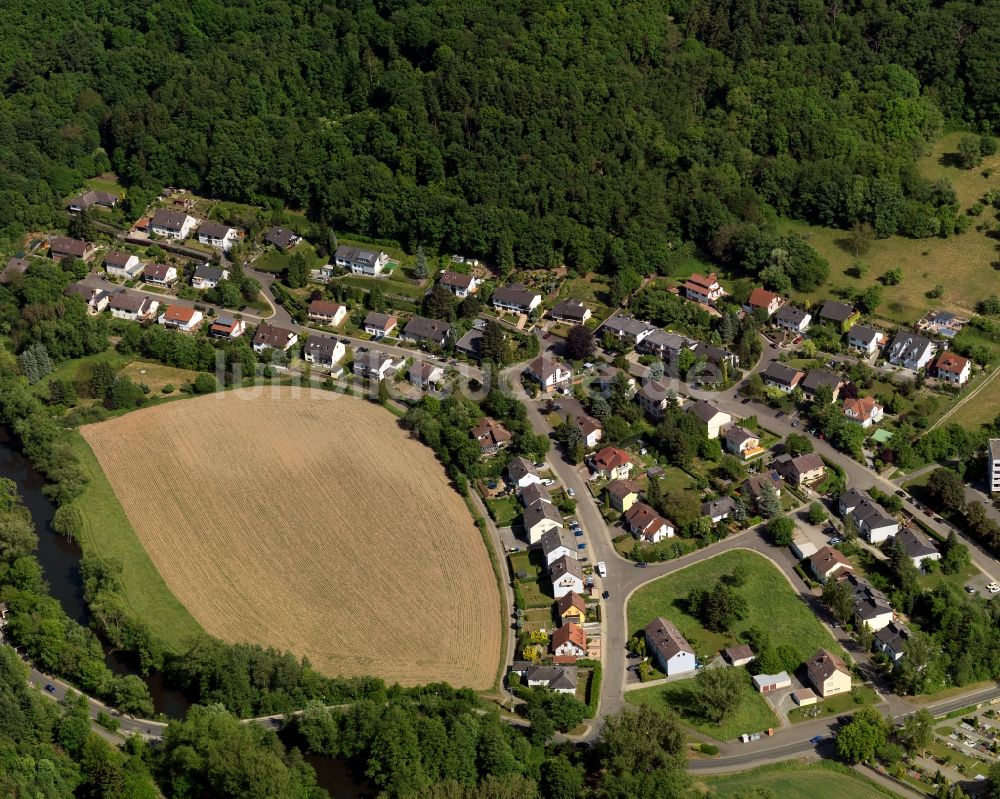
(311, 522)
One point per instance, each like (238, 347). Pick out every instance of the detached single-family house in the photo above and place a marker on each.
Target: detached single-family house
(753, 487)
(742, 442)
(654, 397)
(180, 318)
(539, 518)
(420, 330)
(874, 524)
(426, 375)
(160, 275)
(626, 328)
(270, 337)
(864, 339)
(458, 284)
(864, 411)
(715, 355)
(561, 679)
(171, 224)
(739, 655)
(62, 247)
(521, 473)
(871, 608)
(766, 683)
(802, 469)
(718, 509)
(828, 563)
(376, 366)
(556, 543)
(792, 319)
(703, 288)
(471, 344)
(849, 500)
(666, 345)
(569, 640)
(611, 463)
(282, 238)
(590, 428)
(97, 299)
(215, 234)
(764, 300)
(645, 523)
(515, 297)
(227, 327)
(571, 311)
(665, 644)
(571, 607)
(951, 368)
(816, 379)
(778, 375)
(622, 494)
(207, 276)
(891, 640)
(134, 307)
(566, 576)
(87, 200)
(377, 325)
(839, 314)
(911, 351)
(828, 674)
(549, 373)
(122, 263)
(360, 261)
(323, 350)
(491, 435)
(711, 418)
(917, 547)
(535, 492)
(327, 313)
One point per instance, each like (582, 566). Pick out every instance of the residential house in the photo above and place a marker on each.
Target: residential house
(828, 562)
(323, 350)
(14, 266)
(716, 355)
(739, 655)
(828, 674)
(802, 469)
(571, 311)
(549, 373)
(611, 463)
(910, 350)
(753, 487)
(327, 313)
(282, 238)
(778, 375)
(215, 234)
(521, 472)
(607, 377)
(793, 319)
(227, 327)
(839, 314)
(62, 247)
(270, 337)
(711, 418)
(566, 575)
(874, 524)
(864, 411)
(97, 299)
(160, 275)
(471, 344)
(122, 263)
(375, 366)
(134, 307)
(816, 379)
(849, 500)
(87, 200)
(654, 397)
(666, 645)
(491, 435)
(622, 494)
(590, 428)
(571, 607)
(458, 284)
(431, 332)
(951, 368)
(871, 608)
(942, 323)
(426, 375)
(181, 318)
(666, 345)
(703, 288)
(360, 261)
(891, 640)
(764, 300)
(535, 492)
(917, 547)
(645, 523)
(767, 683)
(171, 224)
(742, 442)
(557, 543)
(865, 339)
(515, 297)
(993, 458)
(561, 679)
(569, 640)
(207, 276)
(378, 325)
(626, 328)
(718, 509)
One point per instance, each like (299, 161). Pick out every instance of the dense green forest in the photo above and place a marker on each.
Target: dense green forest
(596, 132)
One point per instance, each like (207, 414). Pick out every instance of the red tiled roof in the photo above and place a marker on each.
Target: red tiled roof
(950, 362)
(611, 458)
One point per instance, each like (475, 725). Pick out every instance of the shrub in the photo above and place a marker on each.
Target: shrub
(168, 388)
(708, 749)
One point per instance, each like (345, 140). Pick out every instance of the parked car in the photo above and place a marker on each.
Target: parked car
(641, 564)
(779, 414)
(795, 423)
(577, 532)
(581, 546)
(993, 587)
(834, 541)
(970, 589)
(571, 492)
(900, 493)
(50, 688)
(605, 595)
(548, 481)
(745, 401)
(514, 549)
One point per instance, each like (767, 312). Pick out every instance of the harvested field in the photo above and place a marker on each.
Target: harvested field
(309, 521)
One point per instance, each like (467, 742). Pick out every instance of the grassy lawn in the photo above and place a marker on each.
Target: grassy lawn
(273, 261)
(794, 780)
(538, 619)
(772, 606)
(156, 376)
(108, 183)
(79, 371)
(753, 714)
(530, 563)
(844, 703)
(107, 530)
(408, 290)
(504, 510)
(982, 408)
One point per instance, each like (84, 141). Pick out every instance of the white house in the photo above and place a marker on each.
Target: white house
(763, 300)
(703, 288)
(891, 640)
(160, 275)
(569, 641)
(793, 319)
(181, 318)
(171, 224)
(590, 428)
(626, 328)
(269, 337)
(121, 263)
(376, 366)
(863, 338)
(538, 518)
(566, 575)
(665, 644)
(521, 473)
(426, 375)
(910, 350)
(778, 375)
(361, 261)
(458, 284)
(217, 235)
(331, 314)
(378, 325)
(135, 307)
(742, 442)
(917, 547)
(864, 411)
(952, 368)
(645, 523)
(97, 299)
(572, 311)
(874, 524)
(207, 276)
(515, 297)
(710, 416)
(323, 350)
(557, 543)
(551, 374)
(226, 327)
(561, 679)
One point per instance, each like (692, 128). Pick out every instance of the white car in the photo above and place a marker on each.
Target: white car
(571, 492)
(993, 587)
(548, 482)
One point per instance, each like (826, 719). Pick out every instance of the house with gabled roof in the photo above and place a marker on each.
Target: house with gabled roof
(815, 379)
(361, 261)
(426, 375)
(556, 543)
(645, 523)
(871, 608)
(891, 640)
(764, 300)
(802, 469)
(910, 350)
(666, 345)
(839, 314)
(571, 311)
(549, 373)
(160, 274)
(207, 276)
(134, 307)
(571, 607)
(713, 419)
(181, 318)
(562, 678)
(272, 337)
(951, 368)
(611, 463)
(87, 200)
(458, 284)
(171, 224)
(491, 435)
(376, 366)
(622, 494)
(535, 492)
(521, 472)
(742, 442)
(566, 575)
(827, 563)
(62, 247)
(793, 319)
(718, 509)
(917, 547)
(590, 428)
(227, 327)
(781, 376)
(864, 411)
(421, 330)
(753, 486)
(323, 350)
(828, 674)
(97, 299)
(281, 238)
(328, 313)
(874, 524)
(515, 297)
(216, 234)
(122, 263)
(377, 325)
(626, 328)
(865, 339)
(654, 397)
(703, 288)
(570, 639)
(665, 644)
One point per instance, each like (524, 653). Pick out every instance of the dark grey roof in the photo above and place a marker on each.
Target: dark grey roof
(424, 329)
(281, 237)
(718, 507)
(892, 637)
(791, 314)
(378, 320)
(170, 220)
(209, 272)
(570, 309)
(664, 637)
(836, 311)
(864, 333)
(623, 323)
(123, 301)
(915, 545)
(716, 355)
(539, 510)
(820, 377)
(780, 373)
(321, 347)
(514, 294)
(704, 410)
(471, 343)
(214, 230)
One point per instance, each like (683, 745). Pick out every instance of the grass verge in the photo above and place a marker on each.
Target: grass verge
(794, 780)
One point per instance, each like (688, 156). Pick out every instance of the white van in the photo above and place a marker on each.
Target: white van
(602, 569)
